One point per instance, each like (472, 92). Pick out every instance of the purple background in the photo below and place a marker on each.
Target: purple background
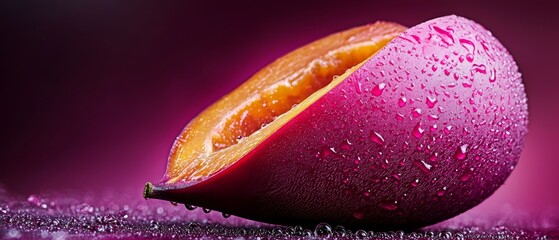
(94, 92)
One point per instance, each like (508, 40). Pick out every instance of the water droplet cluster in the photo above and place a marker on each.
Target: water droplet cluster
(57, 216)
(436, 125)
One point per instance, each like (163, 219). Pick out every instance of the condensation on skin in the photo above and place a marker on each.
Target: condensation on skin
(452, 112)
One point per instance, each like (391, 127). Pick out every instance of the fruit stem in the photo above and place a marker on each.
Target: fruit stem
(148, 190)
(156, 191)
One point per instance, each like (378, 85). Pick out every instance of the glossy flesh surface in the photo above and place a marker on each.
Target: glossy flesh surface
(228, 129)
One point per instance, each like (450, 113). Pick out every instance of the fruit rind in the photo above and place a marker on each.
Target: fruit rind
(301, 174)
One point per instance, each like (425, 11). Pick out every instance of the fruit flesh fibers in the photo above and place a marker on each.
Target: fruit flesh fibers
(228, 129)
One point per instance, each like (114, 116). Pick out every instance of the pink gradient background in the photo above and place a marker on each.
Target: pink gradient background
(93, 93)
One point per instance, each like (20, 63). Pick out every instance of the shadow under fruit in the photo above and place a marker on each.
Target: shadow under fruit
(376, 127)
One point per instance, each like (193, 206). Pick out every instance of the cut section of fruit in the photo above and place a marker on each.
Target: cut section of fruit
(374, 148)
(234, 125)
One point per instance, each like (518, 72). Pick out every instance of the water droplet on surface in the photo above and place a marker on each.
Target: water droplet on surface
(323, 230)
(376, 137)
(12, 234)
(190, 207)
(399, 117)
(417, 131)
(225, 215)
(492, 75)
(447, 129)
(441, 192)
(358, 215)
(480, 68)
(326, 152)
(433, 117)
(206, 210)
(358, 87)
(467, 44)
(346, 145)
(33, 199)
(461, 152)
(415, 182)
(361, 234)
(416, 38)
(378, 89)
(423, 166)
(402, 101)
(446, 36)
(339, 231)
(433, 157)
(416, 112)
(389, 205)
(467, 175)
(434, 128)
(431, 101)
(470, 57)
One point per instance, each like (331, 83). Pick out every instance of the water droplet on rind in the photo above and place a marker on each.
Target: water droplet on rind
(346, 145)
(470, 57)
(378, 89)
(389, 205)
(492, 75)
(441, 192)
(479, 68)
(466, 176)
(402, 102)
(326, 152)
(417, 131)
(460, 153)
(358, 87)
(431, 101)
(423, 166)
(376, 137)
(358, 215)
(468, 45)
(445, 35)
(190, 207)
(416, 112)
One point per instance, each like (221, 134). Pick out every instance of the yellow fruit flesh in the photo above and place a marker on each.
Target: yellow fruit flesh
(233, 126)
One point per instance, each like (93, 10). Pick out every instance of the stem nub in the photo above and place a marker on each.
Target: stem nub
(148, 190)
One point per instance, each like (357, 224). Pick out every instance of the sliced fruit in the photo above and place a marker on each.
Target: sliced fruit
(414, 133)
(233, 126)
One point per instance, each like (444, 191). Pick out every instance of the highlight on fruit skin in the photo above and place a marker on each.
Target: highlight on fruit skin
(376, 127)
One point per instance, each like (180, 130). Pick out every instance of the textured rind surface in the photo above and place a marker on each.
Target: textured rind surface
(462, 90)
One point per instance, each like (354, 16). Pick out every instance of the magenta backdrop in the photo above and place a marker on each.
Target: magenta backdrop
(94, 92)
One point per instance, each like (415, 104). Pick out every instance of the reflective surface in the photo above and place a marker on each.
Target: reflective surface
(118, 215)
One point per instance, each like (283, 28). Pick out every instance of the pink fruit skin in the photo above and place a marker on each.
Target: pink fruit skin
(436, 127)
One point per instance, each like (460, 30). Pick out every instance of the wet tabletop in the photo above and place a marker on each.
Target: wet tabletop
(128, 216)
